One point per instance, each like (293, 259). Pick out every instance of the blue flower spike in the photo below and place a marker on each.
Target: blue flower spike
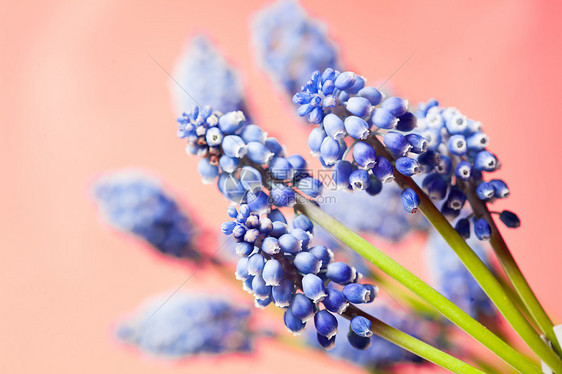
(277, 264)
(290, 45)
(209, 77)
(464, 162)
(137, 203)
(189, 325)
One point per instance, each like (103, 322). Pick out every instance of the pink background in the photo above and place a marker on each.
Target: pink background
(80, 96)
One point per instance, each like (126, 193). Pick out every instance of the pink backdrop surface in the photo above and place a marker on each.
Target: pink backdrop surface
(80, 97)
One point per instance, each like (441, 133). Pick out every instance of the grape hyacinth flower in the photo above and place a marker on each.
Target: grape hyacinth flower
(188, 325)
(462, 164)
(243, 160)
(450, 144)
(277, 263)
(379, 353)
(290, 45)
(351, 116)
(452, 279)
(208, 77)
(254, 173)
(138, 204)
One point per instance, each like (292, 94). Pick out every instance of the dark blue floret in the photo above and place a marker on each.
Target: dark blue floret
(482, 229)
(510, 219)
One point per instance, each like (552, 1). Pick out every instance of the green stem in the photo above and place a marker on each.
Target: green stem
(489, 368)
(419, 306)
(413, 301)
(513, 295)
(415, 284)
(414, 345)
(477, 268)
(512, 270)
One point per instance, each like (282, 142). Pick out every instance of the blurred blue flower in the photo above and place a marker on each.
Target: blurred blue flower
(290, 45)
(381, 354)
(187, 325)
(136, 203)
(208, 77)
(382, 215)
(453, 280)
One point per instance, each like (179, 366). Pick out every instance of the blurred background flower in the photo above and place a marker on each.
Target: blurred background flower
(136, 203)
(202, 75)
(290, 45)
(188, 324)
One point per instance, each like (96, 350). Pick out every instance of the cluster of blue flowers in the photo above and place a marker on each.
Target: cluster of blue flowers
(381, 354)
(454, 281)
(290, 45)
(277, 261)
(208, 78)
(136, 203)
(211, 80)
(188, 325)
(238, 154)
(463, 160)
(346, 109)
